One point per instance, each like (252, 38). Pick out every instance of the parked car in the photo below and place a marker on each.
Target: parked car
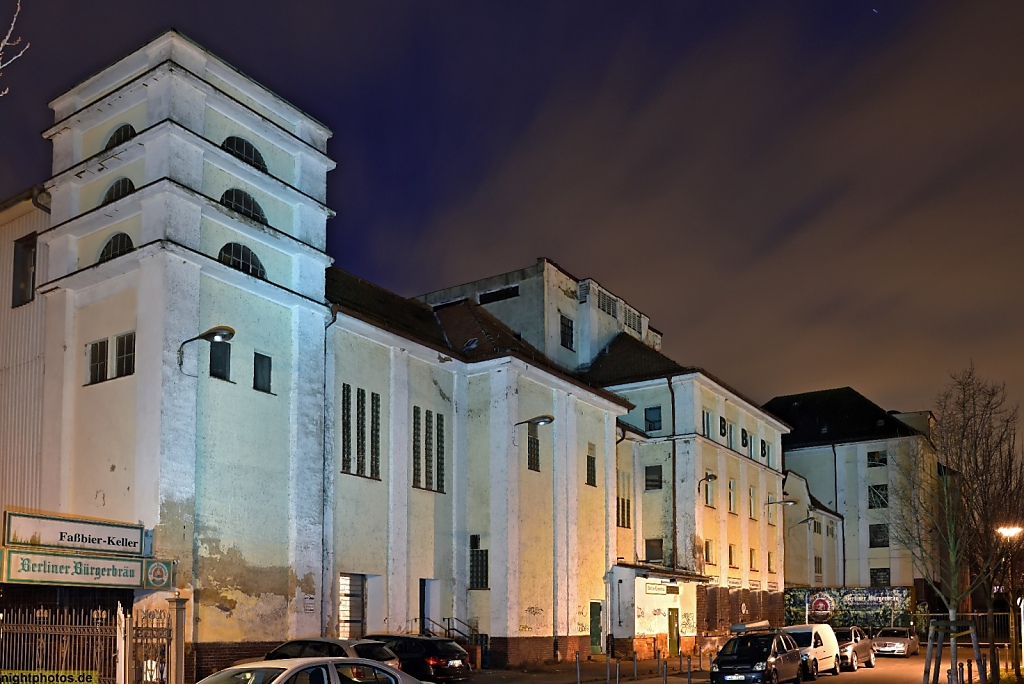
(311, 671)
(855, 647)
(343, 648)
(819, 649)
(429, 658)
(759, 656)
(896, 641)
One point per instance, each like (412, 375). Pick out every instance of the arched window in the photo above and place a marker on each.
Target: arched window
(118, 189)
(245, 150)
(122, 133)
(244, 204)
(243, 259)
(118, 244)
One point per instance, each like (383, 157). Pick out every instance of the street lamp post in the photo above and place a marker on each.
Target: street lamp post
(1010, 533)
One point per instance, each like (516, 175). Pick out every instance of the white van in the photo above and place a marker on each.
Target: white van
(819, 648)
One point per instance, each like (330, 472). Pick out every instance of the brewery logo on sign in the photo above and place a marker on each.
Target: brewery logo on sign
(821, 606)
(159, 574)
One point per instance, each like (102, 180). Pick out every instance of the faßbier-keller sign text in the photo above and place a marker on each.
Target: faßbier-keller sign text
(39, 531)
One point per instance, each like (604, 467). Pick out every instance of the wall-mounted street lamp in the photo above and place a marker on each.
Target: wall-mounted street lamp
(710, 477)
(218, 333)
(543, 419)
(780, 502)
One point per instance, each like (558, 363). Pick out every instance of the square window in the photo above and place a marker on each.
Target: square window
(652, 418)
(220, 360)
(23, 288)
(654, 550)
(878, 496)
(878, 536)
(97, 362)
(261, 364)
(124, 351)
(568, 334)
(652, 477)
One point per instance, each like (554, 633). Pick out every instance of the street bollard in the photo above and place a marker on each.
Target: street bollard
(664, 673)
(960, 667)
(617, 663)
(634, 665)
(689, 670)
(970, 673)
(577, 667)
(680, 661)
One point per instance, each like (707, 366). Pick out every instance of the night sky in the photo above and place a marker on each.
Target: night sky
(801, 195)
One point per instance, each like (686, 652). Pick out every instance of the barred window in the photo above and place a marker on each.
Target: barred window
(346, 428)
(118, 244)
(478, 569)
(567, 333)
(244, 150)
(633, 320)
(375, 435)
(428, 450)
(360, 431)
(124, 355)
(118, 189)
(97, 362)
(819, 565)
(121, 134)
(607, 303)
(532, 447)
(244, 203)
(623, 500)
(241, 258)
(591, 464)
(417, 457)
(440, 453)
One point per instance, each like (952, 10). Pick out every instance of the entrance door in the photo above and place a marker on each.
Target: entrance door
(351, 606)
(430, 607)
(673, 631)
(595, 627)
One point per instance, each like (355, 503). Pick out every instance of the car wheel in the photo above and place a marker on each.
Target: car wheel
(853, 662)
(775, 677)
(799, 675)
(836, 663)
(812, 670)
(870, 662)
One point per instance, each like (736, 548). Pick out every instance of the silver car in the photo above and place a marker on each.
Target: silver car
(855, 649)
(311, 671)
(313, 647)
(896, 641)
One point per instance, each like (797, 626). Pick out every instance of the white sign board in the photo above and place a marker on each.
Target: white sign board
(30, 567)
(656, 588)
(54, 532)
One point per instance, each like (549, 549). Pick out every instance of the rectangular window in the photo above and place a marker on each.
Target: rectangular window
(623, 500)
(654, 550)
(770, 509)
(261, 364)
(879, 577)
(23, 287)
(417, 455)
(477, 564)
(428, 450)
(532, 447)
(439, 453)
(607, 303)
(499, 295)
(730, 436)
(709, 490)
(753, 559)
(709, 552)
(878, 536)
(97, 362)
(751, 447)
(877, 459)
(652, 418)
(220, 360)
(818, 565)
(633, 321)
(346, 428)
(706, 420)
(567, 337)
(733, 560)
(124, 355)
(817, 526)
(878, 496)
(652, 477)
(732, 495)
(375, 435)
(830, 529)
(591, 464)
(754, 503)
(771, 561)
(360, 431)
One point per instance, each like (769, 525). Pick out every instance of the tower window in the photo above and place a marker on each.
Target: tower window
(118, 244)
(121, 187)
(121, 134)
(244, 203)
(241, 258)
(244, 150)
(220, 360)
(23, 287)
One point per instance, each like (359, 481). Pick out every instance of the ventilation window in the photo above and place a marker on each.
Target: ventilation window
(241, 258)
(118, 244)
(118, 189)
(499, 295)
(246, 151)
(244, 203)
(121, 134)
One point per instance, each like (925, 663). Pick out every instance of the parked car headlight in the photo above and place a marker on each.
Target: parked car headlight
(847, 650)
(759, 667)
(803, 656)
(714, 666)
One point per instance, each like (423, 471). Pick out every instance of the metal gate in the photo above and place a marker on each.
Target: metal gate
(60, 639)
(148, 637)
(351, 606)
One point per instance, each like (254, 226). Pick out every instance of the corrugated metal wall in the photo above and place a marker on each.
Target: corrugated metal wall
(21, 373)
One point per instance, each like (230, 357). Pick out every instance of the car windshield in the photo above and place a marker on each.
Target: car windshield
(844, 634)
(802, 639)
(891, 632)
(449, 648)
(748, 646)
(247, 675)
(374, 651)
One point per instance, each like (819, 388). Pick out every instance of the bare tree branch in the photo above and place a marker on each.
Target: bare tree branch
(9, 42)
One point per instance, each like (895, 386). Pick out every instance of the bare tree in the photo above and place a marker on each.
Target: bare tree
(948, 503)
(10, 44)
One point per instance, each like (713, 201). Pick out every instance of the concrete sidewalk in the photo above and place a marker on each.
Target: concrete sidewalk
(594, 670)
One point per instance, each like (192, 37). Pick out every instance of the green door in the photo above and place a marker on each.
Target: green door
(595, 627)
(673, 631)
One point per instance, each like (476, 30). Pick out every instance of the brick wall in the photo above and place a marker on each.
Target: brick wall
(515, 651)
(209, 657)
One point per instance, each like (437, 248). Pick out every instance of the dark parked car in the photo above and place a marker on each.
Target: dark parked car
(312, 647)
(763, 657)
(855, 648)
(428, 658)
